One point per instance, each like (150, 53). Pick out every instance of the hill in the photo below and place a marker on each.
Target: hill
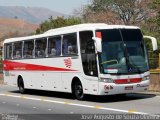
(15, 27)
(30, 14)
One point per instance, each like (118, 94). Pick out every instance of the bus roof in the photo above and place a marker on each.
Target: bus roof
(71, 29)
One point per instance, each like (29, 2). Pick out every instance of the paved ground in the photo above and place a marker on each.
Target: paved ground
(48, 103)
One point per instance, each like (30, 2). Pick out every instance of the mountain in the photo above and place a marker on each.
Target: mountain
(30, 14)
(15, 27)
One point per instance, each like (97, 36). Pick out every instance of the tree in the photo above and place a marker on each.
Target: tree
(57, 22)
(101, 17)
(128, 11)
(152, 27)
(97, 11)
(155, 20)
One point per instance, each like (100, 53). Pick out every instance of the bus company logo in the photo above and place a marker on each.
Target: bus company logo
(130, 69)
(68, 62)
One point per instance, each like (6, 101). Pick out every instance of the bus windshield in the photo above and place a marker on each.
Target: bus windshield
(123, 52)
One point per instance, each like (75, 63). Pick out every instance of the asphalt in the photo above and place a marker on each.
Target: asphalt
(36, 104)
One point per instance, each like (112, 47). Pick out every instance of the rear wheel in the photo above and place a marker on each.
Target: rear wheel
(21, 86)
(78, 90)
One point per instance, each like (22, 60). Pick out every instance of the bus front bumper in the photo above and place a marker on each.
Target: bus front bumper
(112, 88)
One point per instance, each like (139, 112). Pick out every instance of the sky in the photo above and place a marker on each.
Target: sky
(62, 6)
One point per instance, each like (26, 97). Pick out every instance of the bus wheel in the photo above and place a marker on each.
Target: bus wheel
(21, 86)
(78, 90)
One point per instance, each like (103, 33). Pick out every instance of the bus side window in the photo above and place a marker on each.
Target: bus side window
(54, 46)
(40, 47)
(17, 50)
(28, 49)
(70, 44)
(8, 51)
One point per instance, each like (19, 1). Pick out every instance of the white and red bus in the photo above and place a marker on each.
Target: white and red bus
(97, 59)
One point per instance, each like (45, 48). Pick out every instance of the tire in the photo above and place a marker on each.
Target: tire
(78, 90)
(21, 86)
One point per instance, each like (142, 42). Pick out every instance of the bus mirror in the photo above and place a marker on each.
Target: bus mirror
(154, 42)
(98, 43)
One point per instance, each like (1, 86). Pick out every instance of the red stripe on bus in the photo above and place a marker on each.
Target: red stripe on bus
(10, 65)
(126, 81)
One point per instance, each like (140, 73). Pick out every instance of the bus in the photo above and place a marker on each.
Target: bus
(93, 58)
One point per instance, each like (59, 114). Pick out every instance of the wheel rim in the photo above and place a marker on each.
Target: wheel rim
(21, 87)
(78, 91)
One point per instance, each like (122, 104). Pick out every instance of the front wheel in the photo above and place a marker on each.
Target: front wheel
(21, 86)
(78, 90)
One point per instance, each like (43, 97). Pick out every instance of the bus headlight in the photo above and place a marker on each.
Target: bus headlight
(145, 78)
(106, 80)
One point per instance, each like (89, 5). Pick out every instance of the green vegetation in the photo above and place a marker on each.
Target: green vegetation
(57, 22)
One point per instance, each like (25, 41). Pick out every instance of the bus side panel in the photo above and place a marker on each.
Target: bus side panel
(10, 78)
(31, 79)
(67, 81)
(90, 86)
(42, 80)
(51, 81)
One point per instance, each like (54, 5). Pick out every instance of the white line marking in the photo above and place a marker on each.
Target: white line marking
(71, 112)
(3, 102)
(32, 98)
(34, 107)
(53, 101)
(49, 109)
(17, 104)
(73, 104)
(12, 96)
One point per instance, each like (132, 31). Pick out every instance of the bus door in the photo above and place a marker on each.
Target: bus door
(89, 61)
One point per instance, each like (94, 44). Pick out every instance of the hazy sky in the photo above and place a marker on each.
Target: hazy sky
(63, 6)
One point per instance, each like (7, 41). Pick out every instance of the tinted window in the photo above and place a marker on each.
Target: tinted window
(28, 50)
(54, 46)
(40, 47)
(17, 50)
(8, 51)
(131, 35)
(70, 44)
(123, 51)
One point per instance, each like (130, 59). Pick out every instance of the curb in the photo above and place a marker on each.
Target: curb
(156, 71)
(149, 93)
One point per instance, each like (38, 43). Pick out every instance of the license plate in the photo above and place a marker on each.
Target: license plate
(129, 88)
